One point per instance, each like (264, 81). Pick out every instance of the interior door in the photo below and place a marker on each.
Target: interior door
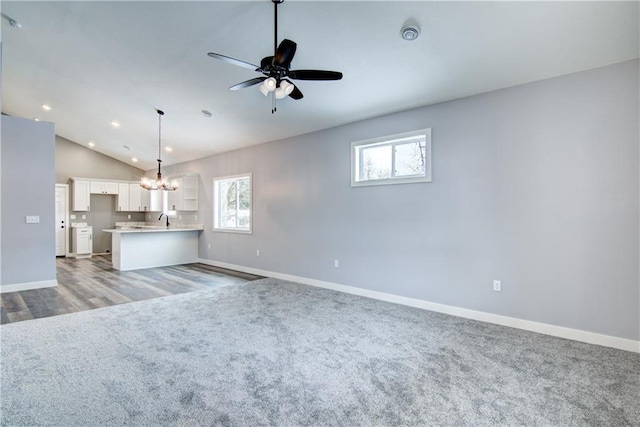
(61, 220)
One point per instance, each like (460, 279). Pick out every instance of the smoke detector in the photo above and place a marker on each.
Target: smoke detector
(410, 32)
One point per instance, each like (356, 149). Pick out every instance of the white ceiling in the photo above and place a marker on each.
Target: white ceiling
(95, 62)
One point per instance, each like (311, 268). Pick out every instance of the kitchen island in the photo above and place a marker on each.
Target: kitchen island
(146, 247)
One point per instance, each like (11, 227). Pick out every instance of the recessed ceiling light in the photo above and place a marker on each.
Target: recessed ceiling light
(115, 124)
(134, 160)
(207, 113)
(91, 144)
(46, 107)
(169, 149)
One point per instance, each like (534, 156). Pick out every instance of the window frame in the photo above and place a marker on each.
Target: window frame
(393, 141)
(216, 206)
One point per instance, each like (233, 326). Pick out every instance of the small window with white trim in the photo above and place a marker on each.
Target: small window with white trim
(395, 159)
(232, 203)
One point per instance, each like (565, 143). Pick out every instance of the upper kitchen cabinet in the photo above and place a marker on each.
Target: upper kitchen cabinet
(190, 193)
(104, 187)
(155, 200)
(80, 195)
(185, 198)
(130, 197)
(139, 199)
(145, 199)
(122, 202)
(175, 197)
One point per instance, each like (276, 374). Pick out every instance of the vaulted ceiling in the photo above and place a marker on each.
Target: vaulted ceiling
(96, 62)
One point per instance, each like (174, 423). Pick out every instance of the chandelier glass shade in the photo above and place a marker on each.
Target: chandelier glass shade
(159, 183)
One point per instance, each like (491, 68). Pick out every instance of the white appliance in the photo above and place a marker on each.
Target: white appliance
(82, 239)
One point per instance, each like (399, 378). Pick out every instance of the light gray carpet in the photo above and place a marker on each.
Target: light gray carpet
(278, 353)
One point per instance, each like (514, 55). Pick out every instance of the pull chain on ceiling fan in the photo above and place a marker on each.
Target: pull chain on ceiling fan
(276, 69)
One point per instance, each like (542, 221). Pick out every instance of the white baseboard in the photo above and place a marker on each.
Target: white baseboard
(27, 286)
(513, 322)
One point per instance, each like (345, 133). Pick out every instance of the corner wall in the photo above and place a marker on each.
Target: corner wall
(28, 183)
(534, 185)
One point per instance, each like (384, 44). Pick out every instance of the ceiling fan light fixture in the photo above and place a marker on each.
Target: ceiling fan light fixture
(263, 90)
(276, 69)
(279, 93)
(285, 89)
(287, 86)
(270, 84)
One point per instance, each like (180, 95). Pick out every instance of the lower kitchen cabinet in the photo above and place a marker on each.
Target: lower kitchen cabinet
(82, 240)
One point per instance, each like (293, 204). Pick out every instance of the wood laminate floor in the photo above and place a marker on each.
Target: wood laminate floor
(88, 283)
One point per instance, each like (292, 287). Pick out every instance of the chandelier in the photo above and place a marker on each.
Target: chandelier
(159, 183)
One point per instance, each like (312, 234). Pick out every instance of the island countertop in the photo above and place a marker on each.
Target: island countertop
(154, 246)
(151, 229)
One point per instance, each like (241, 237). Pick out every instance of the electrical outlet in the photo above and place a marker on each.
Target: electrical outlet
(195, 217)
(129, 216)
(497, 285)
(258, 252)
(84, 216)
(72, 216)
(209, 245)
(336, 263)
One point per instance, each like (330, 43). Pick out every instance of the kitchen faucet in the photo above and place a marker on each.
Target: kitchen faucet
(167, 218)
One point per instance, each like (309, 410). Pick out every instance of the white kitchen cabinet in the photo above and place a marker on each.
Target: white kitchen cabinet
(135, 197)
(155, 202)
(104, 187)
(80, 196)
(145, 199)
(175, 197)
(82, 240)
(139, 199)
(185, 198)
(122, 201)
(190, 193)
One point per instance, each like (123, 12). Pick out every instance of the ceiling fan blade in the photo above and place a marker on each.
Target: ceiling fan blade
(266, 62)
(284, 53)
(248, 83)
(315, 75)
(233, 61)
(296, 94)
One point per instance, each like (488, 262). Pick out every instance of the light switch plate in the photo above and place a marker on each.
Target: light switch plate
(33, 219)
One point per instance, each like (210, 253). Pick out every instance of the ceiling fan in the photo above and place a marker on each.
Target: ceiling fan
(275, 69)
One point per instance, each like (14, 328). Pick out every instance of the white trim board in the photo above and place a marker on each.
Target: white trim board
(27, 286)
(513, 322)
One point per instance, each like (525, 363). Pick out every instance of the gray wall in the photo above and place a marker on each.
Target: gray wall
(75, 160)
(28, 182)
(535, 185)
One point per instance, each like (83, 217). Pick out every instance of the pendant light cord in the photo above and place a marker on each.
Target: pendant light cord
(160, 114)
